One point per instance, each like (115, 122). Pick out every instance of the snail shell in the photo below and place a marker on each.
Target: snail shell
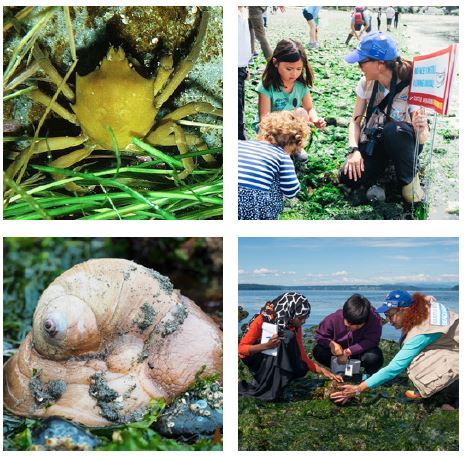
(118, 335)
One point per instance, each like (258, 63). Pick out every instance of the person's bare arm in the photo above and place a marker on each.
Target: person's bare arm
(307, 103)
(264, 105)
(354, 165)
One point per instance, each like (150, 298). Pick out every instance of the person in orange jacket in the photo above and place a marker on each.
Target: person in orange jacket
(274, 369)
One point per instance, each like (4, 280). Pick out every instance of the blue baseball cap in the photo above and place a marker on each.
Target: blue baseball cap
(374, 45)
(395, 299)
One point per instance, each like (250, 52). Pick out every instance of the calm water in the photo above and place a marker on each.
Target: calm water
(325, 302)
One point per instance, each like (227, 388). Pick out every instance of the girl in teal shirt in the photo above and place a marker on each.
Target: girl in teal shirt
(286, 81)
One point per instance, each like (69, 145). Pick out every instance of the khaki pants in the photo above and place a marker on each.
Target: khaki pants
(257, 30)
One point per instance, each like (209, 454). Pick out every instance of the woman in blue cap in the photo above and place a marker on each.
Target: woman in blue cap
(429, 350)
(390, 125)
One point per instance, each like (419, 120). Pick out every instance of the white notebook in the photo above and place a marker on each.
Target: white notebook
(267, 331)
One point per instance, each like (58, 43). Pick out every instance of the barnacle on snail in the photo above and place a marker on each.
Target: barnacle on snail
(108, 336)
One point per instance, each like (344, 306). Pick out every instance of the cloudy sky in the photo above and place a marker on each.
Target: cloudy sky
(342, 261)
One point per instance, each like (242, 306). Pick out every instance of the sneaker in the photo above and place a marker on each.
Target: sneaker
(412, 394)
(413, 193)
(376, 194)
(312, 44)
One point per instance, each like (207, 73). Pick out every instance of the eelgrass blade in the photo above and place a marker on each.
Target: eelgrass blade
(111, 182)
(116, 150)
(158, 154)
(29, 199)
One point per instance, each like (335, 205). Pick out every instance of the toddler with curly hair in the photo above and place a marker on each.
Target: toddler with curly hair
(266, 171)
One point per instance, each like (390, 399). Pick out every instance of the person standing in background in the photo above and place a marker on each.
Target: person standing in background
(396, 18)
(245, 53)
(257, 30)
(390, 13)
(265, 18)
(311, 15)
(379, 18)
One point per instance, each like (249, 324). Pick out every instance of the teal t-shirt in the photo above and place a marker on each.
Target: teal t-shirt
(282, 101)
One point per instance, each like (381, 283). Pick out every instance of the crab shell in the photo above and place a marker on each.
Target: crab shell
(114, 100)
(114, 317)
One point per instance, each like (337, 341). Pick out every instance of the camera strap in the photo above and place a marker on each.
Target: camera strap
(388, 100)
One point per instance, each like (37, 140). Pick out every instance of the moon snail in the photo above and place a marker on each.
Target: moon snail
(109, 335)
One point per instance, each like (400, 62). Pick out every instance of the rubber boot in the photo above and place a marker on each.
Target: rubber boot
(349, 37)
(413, 193)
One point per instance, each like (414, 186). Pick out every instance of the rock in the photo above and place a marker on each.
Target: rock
(242, 313)
(59, 434)
(376, 194)
(194, 414)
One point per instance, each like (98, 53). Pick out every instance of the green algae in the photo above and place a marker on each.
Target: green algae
(145, 317)
(381, 419)
(45, 394)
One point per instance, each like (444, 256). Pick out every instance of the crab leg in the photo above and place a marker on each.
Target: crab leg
(194, 108)
(45, 100)
(166, 68)
(69, 160)
(156, 138)
(185, 66)
(168, 140)
(51, 72)
(58, 143)
(172, 128)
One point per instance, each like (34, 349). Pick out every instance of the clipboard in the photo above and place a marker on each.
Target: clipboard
(267, 331)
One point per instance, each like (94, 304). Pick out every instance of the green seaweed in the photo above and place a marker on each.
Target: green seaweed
(322, 198)
(381, 419)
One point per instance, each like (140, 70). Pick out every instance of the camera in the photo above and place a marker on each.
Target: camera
(349, 369)
(373, 135)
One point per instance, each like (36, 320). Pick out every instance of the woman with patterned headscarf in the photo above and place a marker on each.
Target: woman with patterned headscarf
(274, 369)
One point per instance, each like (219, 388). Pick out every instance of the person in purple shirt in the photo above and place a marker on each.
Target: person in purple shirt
(351, 332)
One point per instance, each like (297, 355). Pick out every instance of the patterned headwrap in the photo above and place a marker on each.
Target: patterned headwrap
(281, 310)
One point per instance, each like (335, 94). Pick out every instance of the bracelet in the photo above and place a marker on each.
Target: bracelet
(351, 150)
(357, 391)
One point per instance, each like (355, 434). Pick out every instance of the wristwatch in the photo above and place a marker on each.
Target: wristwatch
(357, 391)
(351, 150)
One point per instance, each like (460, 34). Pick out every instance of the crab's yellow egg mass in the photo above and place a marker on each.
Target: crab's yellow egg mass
(114, 98)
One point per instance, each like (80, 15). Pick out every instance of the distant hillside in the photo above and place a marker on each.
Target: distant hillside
(386, 286)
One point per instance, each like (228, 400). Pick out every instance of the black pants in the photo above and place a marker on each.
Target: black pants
(397, 143)
(449, 395)
(371, 359)
(241, 77)
(273, 373)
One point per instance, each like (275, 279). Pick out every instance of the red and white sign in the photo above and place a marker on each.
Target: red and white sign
(432, 79)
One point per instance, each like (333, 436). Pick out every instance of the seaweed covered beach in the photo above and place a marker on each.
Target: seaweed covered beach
(334, 96)
(383, 419)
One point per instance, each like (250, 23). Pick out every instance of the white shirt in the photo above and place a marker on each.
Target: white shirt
(390, 12)
(244, 47)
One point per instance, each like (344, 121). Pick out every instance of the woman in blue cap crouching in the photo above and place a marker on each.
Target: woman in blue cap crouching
(429, 350)
(390, 125)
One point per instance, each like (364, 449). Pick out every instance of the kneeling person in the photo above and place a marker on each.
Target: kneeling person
(351, 332)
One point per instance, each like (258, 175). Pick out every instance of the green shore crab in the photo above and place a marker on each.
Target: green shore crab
(114, 103)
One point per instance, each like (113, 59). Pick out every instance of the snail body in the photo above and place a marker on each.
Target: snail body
(118, 335)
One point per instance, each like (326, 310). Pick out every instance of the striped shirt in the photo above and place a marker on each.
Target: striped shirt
(260, 163)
